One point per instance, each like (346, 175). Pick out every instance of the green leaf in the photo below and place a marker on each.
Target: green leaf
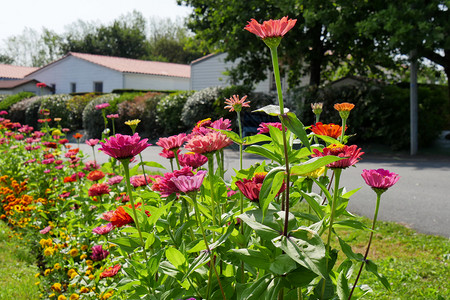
(127, 244)
(151, 164)
(270, 187)
(350, 223)
(263, 231)
(301, 276)
(313, 164)
(257, 289)
(348, 251)
(306, 248)
(283, 264)
(257, 138)
(176, 258)
(231, 135)
(327, 139)
(199, 261)
(313, 201)
(272, 110)
(291, 121)
(200, 246)
(264, 152)
(254, 258)
(373, 268)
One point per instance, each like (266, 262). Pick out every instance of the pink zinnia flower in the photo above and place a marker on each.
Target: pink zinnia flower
(139, 180)
(271, 28)
(91, 165)
(168, 153)
(103, 229)
(211, 142)
(172, 142)
(107, 215)
(92, 142)
(222, 123)
(124, 146)
(192, 159)
(351, 153)
(112, 116)
(98, 189)
(188, 184)
(263, 127)
(102, 106)
(380, 178)
(165, 185)
(115, 180)
(3, 112)
(45, 230)
(236, 104)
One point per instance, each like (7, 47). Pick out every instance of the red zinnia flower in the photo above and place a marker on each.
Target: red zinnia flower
(251, 188)
(121, 218)
(271, 28)
(98, 189)
(110, 272)
(331, 130)
(351, 153)
(172, 142)
(41, 85)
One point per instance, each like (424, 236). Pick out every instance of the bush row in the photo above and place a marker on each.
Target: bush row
(381, 112)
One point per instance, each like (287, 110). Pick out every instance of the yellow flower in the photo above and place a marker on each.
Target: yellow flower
(74, 252)
(316, 173)
(42, 242)
(37, 275)
(52, 295)
(84, 290)
(132, 122)
(37, 283)
(83, 256)
(74, 297)
(89, 262)
(57, 266)
(72, 273)
(56, 287)
(57, 131)
(88, 272)
(47, 272)
(62, 297)
(84, 247)
(49, 251)
(57, 119)
(107, 295)
(91, 277)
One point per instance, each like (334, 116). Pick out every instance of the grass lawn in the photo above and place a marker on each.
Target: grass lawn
(17, 268)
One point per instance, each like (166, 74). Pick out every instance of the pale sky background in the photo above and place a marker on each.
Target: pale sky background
(15, 15)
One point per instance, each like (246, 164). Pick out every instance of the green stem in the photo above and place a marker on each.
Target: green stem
(276, 73)
(114, 128)
(241, 196)
(93, 152)
(143, 170)
(211, 186)
(344, 123)
(175, 153)
(125, 163)
(337, 175)
(379, 192)
(212, 265)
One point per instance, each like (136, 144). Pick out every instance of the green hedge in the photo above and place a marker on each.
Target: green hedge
(8, 101)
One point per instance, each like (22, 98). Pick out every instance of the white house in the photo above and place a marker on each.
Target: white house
(211, 70)
(12, 80)
(80, 72)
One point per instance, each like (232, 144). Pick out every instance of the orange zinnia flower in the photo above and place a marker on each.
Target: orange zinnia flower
(331, 130)
(95, 175)
(344, 106)
(110, 272)
(77, 136)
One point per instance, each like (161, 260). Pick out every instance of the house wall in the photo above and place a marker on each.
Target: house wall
(210, 72)
(154, 82)
(83, 73)
(28, 87)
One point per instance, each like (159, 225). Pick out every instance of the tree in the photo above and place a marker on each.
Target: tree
(125, 37)
(323, 36)
(5, 59)
(410, 25)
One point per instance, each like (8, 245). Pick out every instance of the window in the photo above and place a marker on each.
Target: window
(53, 85)
(98, 86)
(73, 87)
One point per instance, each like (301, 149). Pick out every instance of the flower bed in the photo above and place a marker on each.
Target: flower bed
(115, 231)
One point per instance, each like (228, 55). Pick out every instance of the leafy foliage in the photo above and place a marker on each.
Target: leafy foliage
(92, 118)
(168, 112)
(8, 101)
(200, 105)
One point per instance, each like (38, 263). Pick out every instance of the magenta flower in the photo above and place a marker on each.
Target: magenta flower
(102, 106)
(113, 116)
(210, 142)
(165, 185)
(104, 229)
(139, 180)
(188, 184)
(172, 142)
(168, 153)
(92, 142)
(263, 127)
(98, 253)
(192, 159)
(380, 178)
(115, 180)
(124, 146)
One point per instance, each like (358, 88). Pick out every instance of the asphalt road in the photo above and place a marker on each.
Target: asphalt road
(420, 199)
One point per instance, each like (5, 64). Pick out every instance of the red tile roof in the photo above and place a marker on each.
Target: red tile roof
(15, 72)
(128, 65)
(10, 84)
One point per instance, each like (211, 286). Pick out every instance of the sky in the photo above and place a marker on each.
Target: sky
(16, 15)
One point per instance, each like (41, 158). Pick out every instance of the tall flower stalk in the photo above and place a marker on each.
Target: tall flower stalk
(271, 32)
(379, 180)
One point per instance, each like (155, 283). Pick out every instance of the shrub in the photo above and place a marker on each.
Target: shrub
(57, 104)
(32, 112)
(92, 118)
(200, 105)
(17, 112)
(6, 103)
(75, 106)
(169, 110)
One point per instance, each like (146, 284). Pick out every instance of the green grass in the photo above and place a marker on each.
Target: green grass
(17, 268)
(416, 265)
